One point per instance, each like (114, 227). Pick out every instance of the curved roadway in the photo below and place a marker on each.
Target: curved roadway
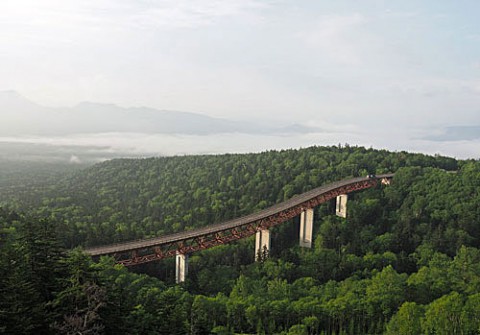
(177, 237)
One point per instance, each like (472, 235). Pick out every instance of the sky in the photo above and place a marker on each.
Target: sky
(388, 72)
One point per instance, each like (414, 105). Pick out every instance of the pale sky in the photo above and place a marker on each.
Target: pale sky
(366, 64)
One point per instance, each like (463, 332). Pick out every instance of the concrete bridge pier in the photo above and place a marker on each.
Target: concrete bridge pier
(341, 209)
(181, 267)
(306, 228)
(262, 244)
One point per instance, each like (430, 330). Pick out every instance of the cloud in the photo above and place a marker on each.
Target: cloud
(473, 37)
(295, 62)
(21, 15)
(75, 159)
(332, 37)
(395, 14)
(192, 14)
(100, 146)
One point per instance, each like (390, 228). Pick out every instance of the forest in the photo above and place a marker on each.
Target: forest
(406, 260)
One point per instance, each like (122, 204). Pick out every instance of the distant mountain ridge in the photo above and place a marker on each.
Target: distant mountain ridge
(20, 116)
(457, 133)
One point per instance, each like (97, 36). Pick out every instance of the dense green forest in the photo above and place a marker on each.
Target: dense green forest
(405, 261)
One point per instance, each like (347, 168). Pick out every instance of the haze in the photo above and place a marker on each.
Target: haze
(259, 74)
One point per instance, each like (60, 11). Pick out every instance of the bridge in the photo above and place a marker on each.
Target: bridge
(183, 243)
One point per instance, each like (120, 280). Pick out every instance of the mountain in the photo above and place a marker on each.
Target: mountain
(19, 116)
(457, 133)
(112, 118)
(12, 101)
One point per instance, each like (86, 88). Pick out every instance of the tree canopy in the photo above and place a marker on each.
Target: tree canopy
(405, 261)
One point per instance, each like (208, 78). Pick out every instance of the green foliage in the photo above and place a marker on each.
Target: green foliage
(20, 305)
(443, 316)
(407, 321)
(79, 303)
(126, 199)
(405, 261)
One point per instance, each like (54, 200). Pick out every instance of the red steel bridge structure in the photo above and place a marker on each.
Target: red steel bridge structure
(186, 242)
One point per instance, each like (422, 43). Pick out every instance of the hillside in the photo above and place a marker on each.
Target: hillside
(127, 199)
(405, 261)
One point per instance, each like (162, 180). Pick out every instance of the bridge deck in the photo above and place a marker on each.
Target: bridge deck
(238, 222)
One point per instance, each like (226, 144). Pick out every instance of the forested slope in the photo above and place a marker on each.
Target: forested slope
(127, 199)
(405, 261)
